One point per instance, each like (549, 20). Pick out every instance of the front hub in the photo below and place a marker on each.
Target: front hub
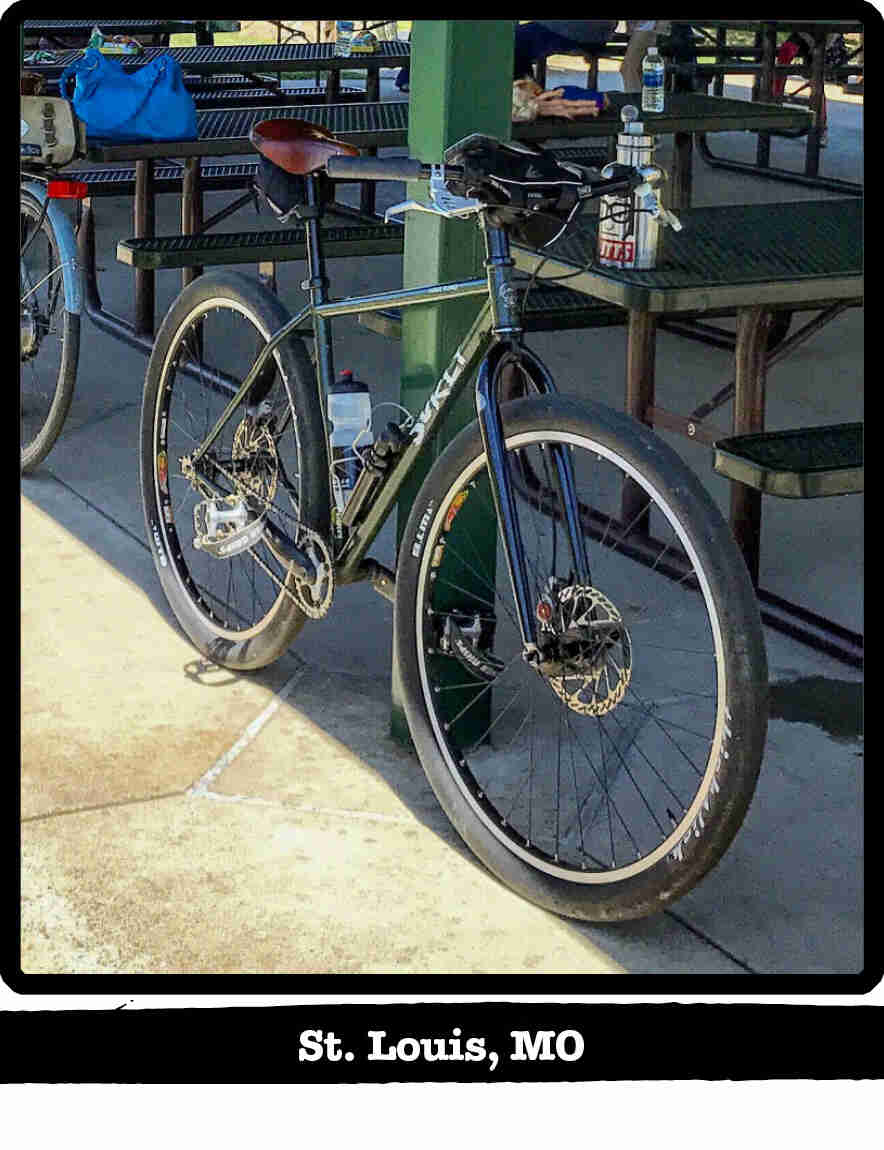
(585, 653)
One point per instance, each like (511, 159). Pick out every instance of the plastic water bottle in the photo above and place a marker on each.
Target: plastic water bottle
(349, 416)
(653, 71)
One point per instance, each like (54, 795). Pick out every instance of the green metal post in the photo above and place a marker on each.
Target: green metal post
(461, 82)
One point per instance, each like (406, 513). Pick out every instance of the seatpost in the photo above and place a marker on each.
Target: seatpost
(316, 284)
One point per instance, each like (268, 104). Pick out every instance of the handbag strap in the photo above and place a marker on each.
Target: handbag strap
(85, 64)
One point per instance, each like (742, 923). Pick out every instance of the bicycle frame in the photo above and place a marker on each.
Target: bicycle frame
(494, 337)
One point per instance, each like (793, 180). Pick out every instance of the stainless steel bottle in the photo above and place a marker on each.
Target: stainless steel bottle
(629, 230)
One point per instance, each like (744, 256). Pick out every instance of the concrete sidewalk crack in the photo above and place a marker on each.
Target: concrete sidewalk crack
(201, 786)
(711, 942)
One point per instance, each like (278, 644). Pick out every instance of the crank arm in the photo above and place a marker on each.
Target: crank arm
(303, 567)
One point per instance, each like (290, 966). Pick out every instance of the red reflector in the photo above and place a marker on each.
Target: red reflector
(67, 190)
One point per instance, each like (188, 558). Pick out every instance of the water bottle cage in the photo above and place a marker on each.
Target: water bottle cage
(380, 456)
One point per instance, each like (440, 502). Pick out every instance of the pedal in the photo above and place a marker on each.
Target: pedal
(226, 527)
(464, 644)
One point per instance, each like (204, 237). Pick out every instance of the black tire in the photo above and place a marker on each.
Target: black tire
(50, 338)
(232, 610)
(691, 698)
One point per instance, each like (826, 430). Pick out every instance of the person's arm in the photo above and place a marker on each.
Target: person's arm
(570, 101)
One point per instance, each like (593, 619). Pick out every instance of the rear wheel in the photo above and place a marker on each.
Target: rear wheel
(50, 336)
(214, 525)
(606, 783)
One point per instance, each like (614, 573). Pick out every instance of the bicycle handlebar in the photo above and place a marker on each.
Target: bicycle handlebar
(376, 168)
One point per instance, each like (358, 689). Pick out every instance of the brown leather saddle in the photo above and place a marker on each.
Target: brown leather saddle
(297, 146)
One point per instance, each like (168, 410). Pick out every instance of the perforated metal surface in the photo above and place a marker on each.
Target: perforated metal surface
(731, 255)
(214, 58)
(349, 120)
(801, 463)
(121, 181)
(251, 247)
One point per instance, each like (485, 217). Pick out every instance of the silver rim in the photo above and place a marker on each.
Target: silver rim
(692, 819)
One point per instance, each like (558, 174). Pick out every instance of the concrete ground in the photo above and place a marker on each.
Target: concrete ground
(177, 818)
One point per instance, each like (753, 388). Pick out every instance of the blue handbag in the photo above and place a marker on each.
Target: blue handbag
(148, 103)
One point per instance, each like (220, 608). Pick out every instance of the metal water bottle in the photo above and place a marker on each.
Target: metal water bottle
(628, 238)
(349, 417)
(653, 72)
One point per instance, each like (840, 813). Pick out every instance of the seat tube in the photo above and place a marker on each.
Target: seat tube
(317, 285)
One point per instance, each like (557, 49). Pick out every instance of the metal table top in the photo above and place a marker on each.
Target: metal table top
(225, 132)
(385, 125)
(726, 257)
(682, 112)
(208, 59)
(114, 26)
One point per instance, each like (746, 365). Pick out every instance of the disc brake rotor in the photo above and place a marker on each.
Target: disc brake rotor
(595, 652)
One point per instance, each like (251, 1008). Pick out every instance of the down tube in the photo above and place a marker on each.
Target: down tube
(463, 364)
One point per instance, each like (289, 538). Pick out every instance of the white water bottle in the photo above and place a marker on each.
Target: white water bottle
(653, 71)
(349, 416)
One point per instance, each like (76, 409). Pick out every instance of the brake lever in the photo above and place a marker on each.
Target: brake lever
(444, 202)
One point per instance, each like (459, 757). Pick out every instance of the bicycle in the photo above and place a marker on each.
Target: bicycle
(51, 301)
(589, 705)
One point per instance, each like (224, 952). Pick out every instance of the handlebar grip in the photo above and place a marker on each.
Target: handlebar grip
(375, 168)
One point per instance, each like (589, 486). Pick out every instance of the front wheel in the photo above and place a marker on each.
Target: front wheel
(214, 525)
(50, 336)
(606, 783)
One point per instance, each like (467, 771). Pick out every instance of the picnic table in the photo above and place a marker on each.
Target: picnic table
(375, 125)
(750, 260)
(765, 70)
(758, 60)
(260, 64)
(57, 29)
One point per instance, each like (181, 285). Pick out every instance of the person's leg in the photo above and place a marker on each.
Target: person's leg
(631, 67)
(534, 42)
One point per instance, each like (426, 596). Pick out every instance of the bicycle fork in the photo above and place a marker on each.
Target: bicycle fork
(506, 326)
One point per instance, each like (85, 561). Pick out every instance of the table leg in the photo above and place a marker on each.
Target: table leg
(681, 184)
(333, 86)
(817, 98)
(191, 210)
(765, 86)
(144, 224)
(640, 354)
(373, 84)
(749, 397)
(368, 189)
(718, 80)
